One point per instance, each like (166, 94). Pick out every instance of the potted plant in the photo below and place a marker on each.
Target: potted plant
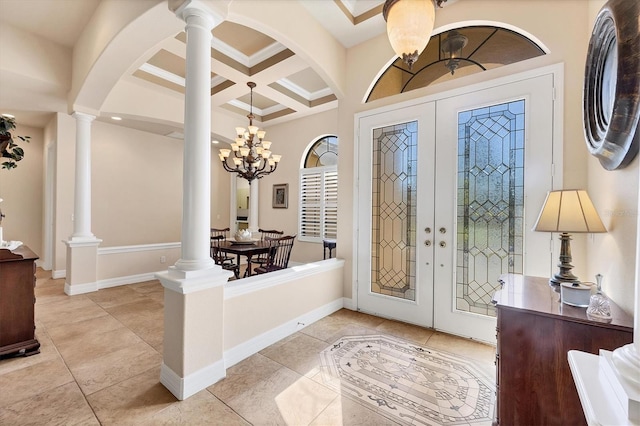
(8, 147)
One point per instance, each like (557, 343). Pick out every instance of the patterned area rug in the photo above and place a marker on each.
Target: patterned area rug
(409, 384)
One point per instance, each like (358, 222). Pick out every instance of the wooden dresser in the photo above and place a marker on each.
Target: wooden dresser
(17, 282)
(535, 331)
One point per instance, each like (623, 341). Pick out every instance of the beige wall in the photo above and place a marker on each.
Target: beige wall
(302, 296)
(567, 40)
(21, 189)
(615, 195)
(291, 140)
(127, 162)
(65, 151)
(136, 186)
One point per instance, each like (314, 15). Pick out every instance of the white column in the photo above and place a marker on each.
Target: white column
(196, 201)
(82, 196)
(82, 245)
(255, 203)
(193, 347)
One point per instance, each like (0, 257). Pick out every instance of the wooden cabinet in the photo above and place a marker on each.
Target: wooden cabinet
(17, 281)
(535, 331)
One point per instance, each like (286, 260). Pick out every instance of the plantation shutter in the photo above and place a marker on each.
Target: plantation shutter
(330, 204)
(318, 203)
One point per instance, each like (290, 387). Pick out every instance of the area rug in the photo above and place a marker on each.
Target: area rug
(407, 383)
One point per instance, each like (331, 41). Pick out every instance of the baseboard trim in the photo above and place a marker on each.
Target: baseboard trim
(56, 275)
(258, 343)
(183, 387)
(348, 304)
(73, 290)
(129, 279)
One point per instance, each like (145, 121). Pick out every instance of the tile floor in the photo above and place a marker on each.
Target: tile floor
(100, 364)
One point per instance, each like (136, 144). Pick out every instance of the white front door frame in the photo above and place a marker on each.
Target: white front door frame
(556, 70)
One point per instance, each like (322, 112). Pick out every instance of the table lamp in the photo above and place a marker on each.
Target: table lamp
(565, 211)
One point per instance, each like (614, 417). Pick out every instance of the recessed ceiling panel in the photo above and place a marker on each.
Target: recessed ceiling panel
(151, 78)
(169, 62)
(308, 80)
(244, 39)
(259, 101)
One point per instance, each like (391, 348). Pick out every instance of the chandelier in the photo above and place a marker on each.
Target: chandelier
(251, 158)
(409, 26)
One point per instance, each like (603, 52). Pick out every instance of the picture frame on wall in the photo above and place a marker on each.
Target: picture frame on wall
(280, 196)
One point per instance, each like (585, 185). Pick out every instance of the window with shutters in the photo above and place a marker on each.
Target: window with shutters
(319, 191)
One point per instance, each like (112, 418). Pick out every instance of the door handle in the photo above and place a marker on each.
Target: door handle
(443, 230)
(427, 243)
(427, 230)
(443, 244)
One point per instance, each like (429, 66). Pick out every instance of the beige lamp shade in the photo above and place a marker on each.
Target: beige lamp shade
(409, 26)
(569, 211)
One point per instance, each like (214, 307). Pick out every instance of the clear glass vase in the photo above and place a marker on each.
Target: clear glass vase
(599, 308)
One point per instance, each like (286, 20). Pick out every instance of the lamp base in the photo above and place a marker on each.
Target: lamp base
(565, 275)
(556, 281)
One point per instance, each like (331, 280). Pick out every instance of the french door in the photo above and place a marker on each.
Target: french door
(448, 192)
(396, 199)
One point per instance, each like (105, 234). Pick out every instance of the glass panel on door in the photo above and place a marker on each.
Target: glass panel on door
(490, 207)
(393, 222)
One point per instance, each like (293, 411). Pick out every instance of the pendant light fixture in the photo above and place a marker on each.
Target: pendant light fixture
(451, 48)
(252, 158)
(409, 26)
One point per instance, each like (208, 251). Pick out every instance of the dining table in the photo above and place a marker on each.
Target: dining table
(249, 249)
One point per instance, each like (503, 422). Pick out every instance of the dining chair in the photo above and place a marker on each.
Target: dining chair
(262, 259)
(220, 258)
(278, 255)
(223, 234)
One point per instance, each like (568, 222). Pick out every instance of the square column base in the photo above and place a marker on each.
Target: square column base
(82, 266)
(193, 346)
(603, 397)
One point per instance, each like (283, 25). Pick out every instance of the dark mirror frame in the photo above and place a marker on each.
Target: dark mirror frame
(612, 85)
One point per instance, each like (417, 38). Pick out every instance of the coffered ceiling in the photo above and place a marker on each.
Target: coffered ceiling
(286, 87)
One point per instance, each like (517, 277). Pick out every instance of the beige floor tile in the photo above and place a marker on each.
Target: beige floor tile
(114, 367)
(199, 409)
(359, 318)
(64, 405)
(144, 307)
(31, 381)
(78, 331)
(343, 411)
(67, 311)
(48, 352)
(115, 296)
(147, 287)
(352, 330)
(300, 354)
(157, 295)
(95, 345)
(133, 401)
(50, 291)
(145, 317)
(461, 346)
(405, 331)
(325, 328)
(243, 376)
(285, 398)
